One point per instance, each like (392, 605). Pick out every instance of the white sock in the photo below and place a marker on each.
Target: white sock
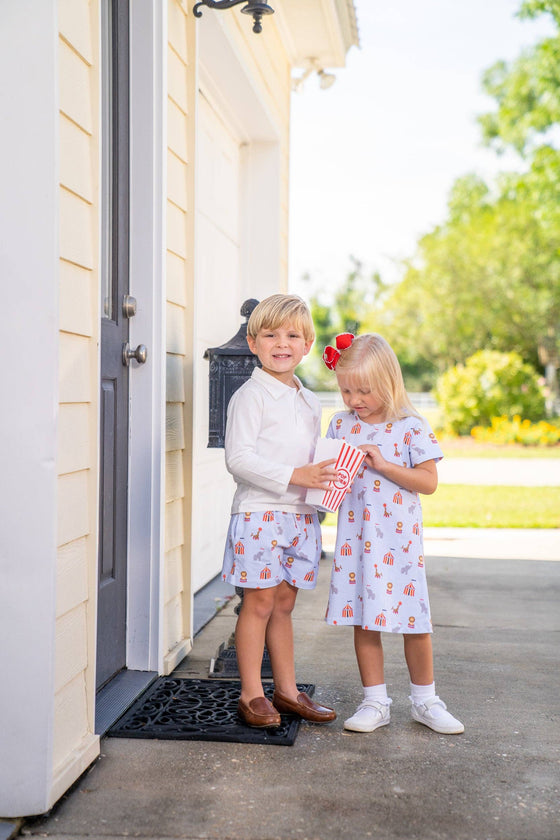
(420, 693)
(376, 692)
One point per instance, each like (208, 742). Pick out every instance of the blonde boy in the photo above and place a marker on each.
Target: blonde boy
(274, 542)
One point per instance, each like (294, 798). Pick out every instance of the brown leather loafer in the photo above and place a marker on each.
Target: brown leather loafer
(259, 713)
(305, 707)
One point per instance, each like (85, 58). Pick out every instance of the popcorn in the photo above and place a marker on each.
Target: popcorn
(348, 461)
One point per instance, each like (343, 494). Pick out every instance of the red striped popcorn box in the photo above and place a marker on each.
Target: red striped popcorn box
(348, 462)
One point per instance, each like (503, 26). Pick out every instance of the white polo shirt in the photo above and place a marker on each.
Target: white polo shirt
(271, 429)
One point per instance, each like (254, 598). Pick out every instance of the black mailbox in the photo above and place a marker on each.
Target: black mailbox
(231, 365)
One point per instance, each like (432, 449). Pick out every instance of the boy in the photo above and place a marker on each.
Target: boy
(274, 540)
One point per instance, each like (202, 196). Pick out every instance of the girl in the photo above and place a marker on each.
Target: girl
(378, 581)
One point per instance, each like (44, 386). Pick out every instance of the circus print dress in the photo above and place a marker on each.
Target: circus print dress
(378, 579)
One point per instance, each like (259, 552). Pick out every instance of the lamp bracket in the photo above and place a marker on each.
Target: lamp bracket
(253, 7)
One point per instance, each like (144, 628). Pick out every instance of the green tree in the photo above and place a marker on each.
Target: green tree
(440, 305)
(527, 118)
(349, 308)
(489, 276)
(526, 90)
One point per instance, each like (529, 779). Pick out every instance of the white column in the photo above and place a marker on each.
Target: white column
(28, 418)
(148, 166)
(29, 345)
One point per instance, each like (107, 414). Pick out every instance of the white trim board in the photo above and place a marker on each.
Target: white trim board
(29, 216)
(148, 103)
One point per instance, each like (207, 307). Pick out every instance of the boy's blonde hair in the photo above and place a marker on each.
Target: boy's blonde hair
(277, 310)
(370, 360)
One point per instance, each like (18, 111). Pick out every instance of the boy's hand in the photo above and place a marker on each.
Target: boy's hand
(315, 476)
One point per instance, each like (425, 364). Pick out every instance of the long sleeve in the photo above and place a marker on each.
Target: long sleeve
(243, 435)
(271, 429)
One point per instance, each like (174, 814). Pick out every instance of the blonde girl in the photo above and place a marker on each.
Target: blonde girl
(378, 582)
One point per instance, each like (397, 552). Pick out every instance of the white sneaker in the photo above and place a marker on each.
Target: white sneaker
(433, 713)
(369, 715)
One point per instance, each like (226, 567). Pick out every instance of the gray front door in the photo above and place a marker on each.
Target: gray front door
(112, 605)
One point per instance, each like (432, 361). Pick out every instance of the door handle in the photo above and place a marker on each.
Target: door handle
(129, 306)
(140, 354)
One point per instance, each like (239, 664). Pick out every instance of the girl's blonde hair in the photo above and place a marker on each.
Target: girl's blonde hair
(277, 310)
(370, 360)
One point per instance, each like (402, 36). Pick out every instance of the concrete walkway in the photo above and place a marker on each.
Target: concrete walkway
(495, 543)
(496, 641)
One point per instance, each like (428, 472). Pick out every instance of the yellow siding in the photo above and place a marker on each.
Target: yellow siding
(73, 499)
(175, 383)
(71, 645)
(75, 26)
(173, 476)
(176, 182)
(75, 87)
(75, 363)
(175, 279)
(71, 576)
(78, 307)
(179, 316)
(176, 230)
(78, 377)
(177, 32)
(70, 719)
(76, 233)
(75, 148)
(178, 90)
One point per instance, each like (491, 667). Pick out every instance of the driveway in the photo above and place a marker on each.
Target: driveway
(496, 642)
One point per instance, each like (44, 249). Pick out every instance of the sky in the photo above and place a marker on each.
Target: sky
(373, 158)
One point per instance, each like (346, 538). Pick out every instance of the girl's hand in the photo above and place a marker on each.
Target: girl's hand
(315, 476)
(374, 458)
(422, 478)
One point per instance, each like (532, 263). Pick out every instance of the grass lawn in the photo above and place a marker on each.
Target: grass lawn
(467, 506)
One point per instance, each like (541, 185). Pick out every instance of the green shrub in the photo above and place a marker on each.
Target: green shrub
(489, 384)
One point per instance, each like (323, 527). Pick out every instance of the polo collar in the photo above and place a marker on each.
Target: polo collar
(274, 387)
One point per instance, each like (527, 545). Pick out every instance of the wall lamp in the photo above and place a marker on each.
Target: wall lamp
(325, 79)
(253, 7)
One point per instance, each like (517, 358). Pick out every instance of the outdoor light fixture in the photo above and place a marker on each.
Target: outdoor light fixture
(253, 7)
(326, 80)
(313, 66)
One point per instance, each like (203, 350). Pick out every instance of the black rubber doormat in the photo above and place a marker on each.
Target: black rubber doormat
(199, 710)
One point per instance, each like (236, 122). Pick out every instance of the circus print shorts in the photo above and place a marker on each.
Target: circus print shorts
(265, 547)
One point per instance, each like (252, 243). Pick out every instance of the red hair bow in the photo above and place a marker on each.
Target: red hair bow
(331, 355)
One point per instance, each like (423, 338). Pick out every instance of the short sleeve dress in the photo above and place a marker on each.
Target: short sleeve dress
(378, 579)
